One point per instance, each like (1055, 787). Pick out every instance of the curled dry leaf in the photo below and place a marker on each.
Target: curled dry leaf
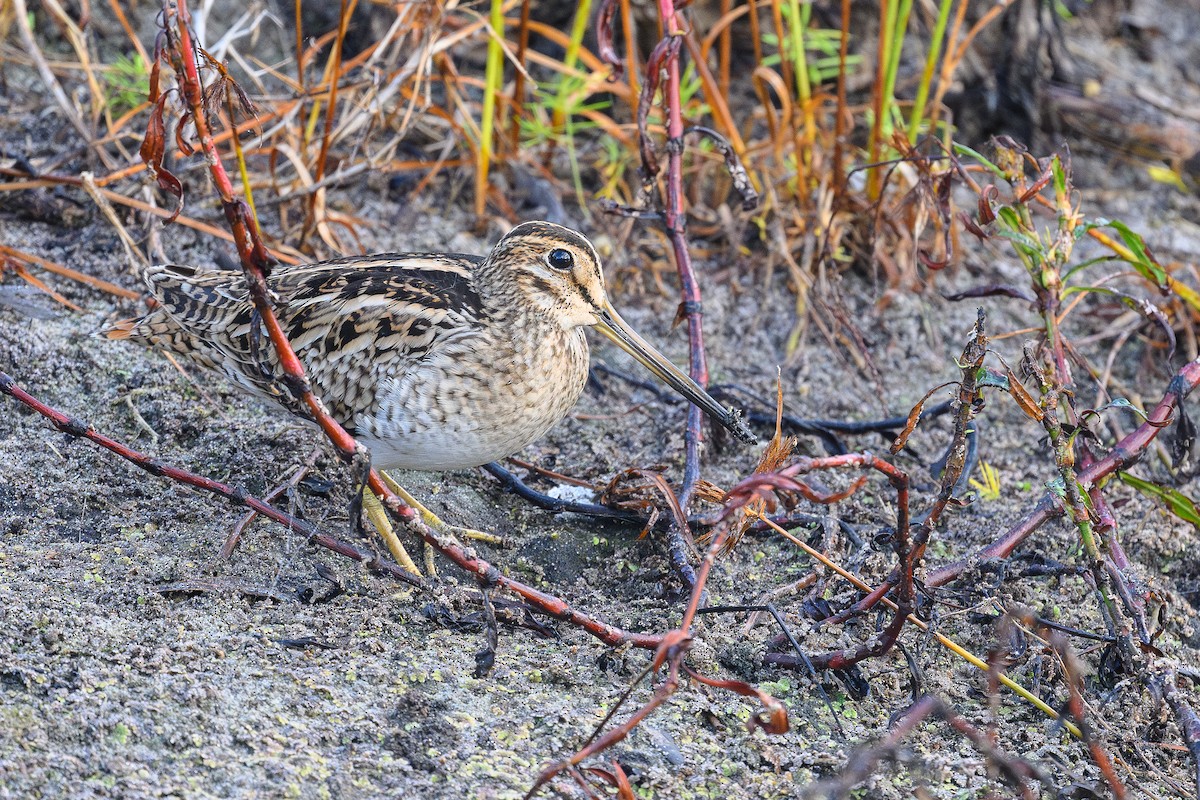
(773, 720)
(645, 496)
(930, 262)
(616, 778)
(749, 503)
(914, 416)
(153, 151)
(971, 227)
(1023, 398)
(605, 44)
(181, 141)
(662, 53)
(986, 215)
(737, 173)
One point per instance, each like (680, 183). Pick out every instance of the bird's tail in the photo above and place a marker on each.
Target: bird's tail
(124, 329)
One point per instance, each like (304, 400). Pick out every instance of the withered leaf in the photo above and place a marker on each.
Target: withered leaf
(991, 290)
(153, 151)
(1023, 398)
(914, 416)
(605, 44)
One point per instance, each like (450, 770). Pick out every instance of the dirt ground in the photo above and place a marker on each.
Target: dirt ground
(136, 663)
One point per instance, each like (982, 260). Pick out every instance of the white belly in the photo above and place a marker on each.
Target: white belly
(445, 414)
(444, 449)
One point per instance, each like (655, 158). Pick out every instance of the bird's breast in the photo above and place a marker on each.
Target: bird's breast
(480, 401)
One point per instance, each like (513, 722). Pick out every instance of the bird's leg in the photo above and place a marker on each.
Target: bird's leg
(366, 502)
(430, 560)
(377, 514)
(433, 520)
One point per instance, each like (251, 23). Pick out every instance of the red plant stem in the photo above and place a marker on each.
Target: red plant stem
(80, 429)
(463, 557)
(193, 94)
(1124, 453)
(1162, 684)
(254, 264)
(517, 109)
(906, 557)
(671, 651)
(617, 734)
(676, 224)
(1075, 706)
(969, 395)
(334, 82)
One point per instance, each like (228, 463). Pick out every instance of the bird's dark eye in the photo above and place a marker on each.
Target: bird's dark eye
(560, 259)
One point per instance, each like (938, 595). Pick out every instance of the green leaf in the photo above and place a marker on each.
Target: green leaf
(1009, 217)
(963, 150)
(1177, 502)
(1060, 175)
(1121, 402)
(1057, 488)
(1084, 496)
(1027, 249)
(985, 376)
(1143, 262)
(1082, 265)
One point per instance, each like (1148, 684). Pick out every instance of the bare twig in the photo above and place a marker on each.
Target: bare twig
(76, 427)
(1123, 454)
(1016, 772)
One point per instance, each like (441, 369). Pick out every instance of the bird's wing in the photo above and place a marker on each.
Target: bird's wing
(349, 320)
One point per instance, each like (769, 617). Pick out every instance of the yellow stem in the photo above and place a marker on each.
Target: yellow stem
(949, 644)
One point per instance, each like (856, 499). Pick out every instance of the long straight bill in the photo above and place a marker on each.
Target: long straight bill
(616, 329)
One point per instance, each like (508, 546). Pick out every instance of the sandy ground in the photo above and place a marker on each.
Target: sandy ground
(135, 663)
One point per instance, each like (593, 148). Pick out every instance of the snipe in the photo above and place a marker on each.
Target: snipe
(433, 361)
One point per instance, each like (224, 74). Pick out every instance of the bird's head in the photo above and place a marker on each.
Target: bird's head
(558, 272)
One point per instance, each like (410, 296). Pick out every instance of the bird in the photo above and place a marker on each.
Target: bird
(433, 361)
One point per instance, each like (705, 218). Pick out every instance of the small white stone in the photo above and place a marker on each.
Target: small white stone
(572, 493)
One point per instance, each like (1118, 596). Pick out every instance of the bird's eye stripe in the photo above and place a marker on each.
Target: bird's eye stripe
(560, 259)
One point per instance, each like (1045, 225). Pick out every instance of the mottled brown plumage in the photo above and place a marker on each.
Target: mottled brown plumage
(433, 361)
